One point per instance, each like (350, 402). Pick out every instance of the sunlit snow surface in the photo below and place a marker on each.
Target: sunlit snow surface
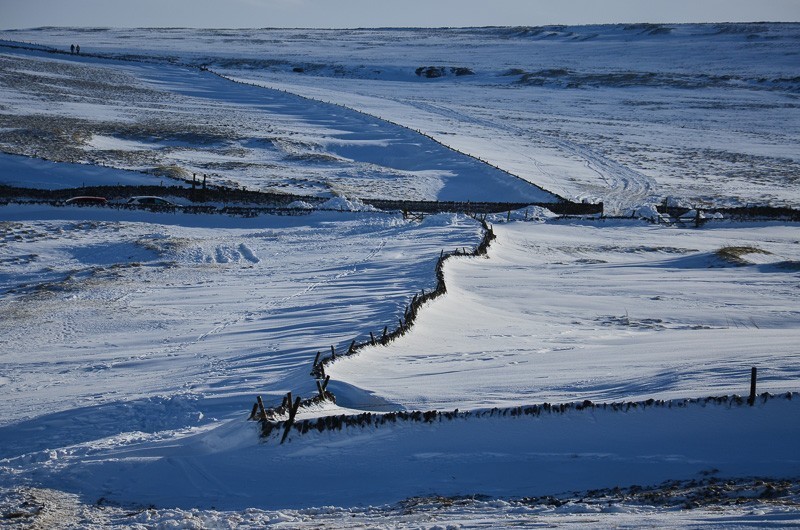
(134, 343)
(600, 311)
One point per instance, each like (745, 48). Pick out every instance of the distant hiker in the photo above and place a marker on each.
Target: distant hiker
(71, 48)
(78, 49)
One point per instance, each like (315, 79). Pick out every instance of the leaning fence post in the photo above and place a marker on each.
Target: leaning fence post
(372, 338)
(752, 398)
(290, 421)
(333, 352)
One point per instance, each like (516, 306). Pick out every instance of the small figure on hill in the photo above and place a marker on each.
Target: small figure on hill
(71, 48)
(78, 49)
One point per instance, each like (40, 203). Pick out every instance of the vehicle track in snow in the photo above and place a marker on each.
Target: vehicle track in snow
(625, 188)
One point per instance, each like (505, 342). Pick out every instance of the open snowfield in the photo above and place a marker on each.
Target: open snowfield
(182, 304)
(601, 311)
(133, 343)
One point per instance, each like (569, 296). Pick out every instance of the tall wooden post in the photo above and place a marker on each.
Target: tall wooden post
(261, 410)
(751, 401)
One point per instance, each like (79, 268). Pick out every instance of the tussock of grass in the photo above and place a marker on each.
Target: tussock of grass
(171, 171)
(737, 255)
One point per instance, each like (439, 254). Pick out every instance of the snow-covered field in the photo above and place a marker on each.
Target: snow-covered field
(179, 121)
(628, 114)
(601, 311)
(133, 343)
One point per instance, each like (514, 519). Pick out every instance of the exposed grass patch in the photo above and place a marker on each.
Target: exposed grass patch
(171, 171)
(736, 255)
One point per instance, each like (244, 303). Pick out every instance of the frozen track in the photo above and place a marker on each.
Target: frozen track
(626, 189)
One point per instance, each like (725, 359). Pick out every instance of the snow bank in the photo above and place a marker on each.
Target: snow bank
(300, 205)
(344, 204)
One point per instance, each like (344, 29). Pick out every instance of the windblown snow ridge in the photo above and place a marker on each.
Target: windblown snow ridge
(413, 307)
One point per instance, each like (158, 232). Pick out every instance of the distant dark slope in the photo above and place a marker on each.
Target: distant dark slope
(748, 30)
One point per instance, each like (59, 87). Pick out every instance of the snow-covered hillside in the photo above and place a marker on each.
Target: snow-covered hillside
(133, 343)
(627, 114)
(177, 121)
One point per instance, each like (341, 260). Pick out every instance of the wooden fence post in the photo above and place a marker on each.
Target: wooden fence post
(751, 401)
(293, 410)
(333, 352)
(290, 421)
(261, 409)
(372, 338)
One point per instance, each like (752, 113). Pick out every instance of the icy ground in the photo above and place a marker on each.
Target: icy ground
(133, 343)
